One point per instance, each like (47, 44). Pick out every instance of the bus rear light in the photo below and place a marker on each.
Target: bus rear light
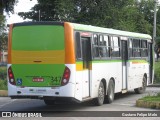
(66, 76)
(11, 76)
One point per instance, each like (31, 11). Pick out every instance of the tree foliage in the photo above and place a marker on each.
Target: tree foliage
(7, 6)
(129, 15)
(119, 14)
(50, 10)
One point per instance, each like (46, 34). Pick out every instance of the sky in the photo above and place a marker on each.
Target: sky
(22, 6)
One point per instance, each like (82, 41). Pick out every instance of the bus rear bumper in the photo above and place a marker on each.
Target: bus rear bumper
(66, 91)
(59, 99)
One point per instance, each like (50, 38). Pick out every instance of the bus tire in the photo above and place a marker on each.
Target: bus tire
(49, 102)
(142, 89)
(110, 92)
(101, 94)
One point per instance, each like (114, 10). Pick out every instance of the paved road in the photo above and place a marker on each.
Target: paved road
(122, 102)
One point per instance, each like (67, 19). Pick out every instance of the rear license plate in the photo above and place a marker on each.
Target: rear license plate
(38, 79)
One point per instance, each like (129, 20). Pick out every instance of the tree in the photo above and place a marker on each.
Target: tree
(129, 15)
(8, 6)
(50, 10)
(158, 23)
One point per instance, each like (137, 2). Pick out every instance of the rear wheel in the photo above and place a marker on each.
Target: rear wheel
(142, 89)
(110, 92)
(49, 102)
(101, 93)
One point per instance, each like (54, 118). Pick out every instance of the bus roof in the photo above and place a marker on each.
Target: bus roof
(90, 28)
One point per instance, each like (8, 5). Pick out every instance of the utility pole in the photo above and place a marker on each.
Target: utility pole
(154, 23)
(39, 15)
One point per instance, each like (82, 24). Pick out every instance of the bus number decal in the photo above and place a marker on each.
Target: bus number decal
(56, 80)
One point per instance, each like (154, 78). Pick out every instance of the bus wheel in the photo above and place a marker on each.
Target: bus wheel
(142, 89)
(110, 92)
(49, 102)
(101, 93)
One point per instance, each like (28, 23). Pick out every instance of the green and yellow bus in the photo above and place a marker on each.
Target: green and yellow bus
(60, 60)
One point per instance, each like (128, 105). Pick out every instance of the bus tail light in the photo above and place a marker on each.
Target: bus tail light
(11, 76)
(66, 76)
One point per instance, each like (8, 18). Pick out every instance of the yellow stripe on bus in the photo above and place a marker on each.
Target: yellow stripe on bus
(38, 57)
(79, 66)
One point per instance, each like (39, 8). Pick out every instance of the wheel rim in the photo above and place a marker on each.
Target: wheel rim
(101, 94)
(111, 92)
(143, 84)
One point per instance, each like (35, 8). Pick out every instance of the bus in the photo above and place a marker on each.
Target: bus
(56, 61)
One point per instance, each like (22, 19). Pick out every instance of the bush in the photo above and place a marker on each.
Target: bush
(3, 78)
(3, 84)
(157, 72)
(3, 73)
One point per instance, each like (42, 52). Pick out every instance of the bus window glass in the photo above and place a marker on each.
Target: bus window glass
(106, 40)
(136, 43)
(130, 48)
(136, 48)
(95, 42)
(101, 40)
(144, 50)
(130, 43)
(102, 47)
(78, 46)
(115, 48)
(106, 43)
(103, 52)
(95, 46)
(144, 43)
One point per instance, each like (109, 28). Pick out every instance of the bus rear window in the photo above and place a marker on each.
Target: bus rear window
(38, 38)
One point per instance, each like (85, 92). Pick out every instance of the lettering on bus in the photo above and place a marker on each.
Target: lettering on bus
(55, 80)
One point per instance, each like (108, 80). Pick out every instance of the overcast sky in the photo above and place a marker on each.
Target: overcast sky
(22, 6)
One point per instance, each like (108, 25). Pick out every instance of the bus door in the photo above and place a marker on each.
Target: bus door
(86, 56)
(124, 51)
(150, 55)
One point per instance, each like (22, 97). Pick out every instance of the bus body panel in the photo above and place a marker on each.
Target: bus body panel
(111, 69)
(136, 70)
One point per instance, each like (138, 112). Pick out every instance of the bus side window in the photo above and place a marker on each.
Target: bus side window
(144, 49)
(102, 47)
(95, 46)
(115, 48)
(130, 48)
(78, 46)
(136, 48)
(106, 43)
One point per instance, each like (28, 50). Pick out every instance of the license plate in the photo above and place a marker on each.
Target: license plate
(38, 79)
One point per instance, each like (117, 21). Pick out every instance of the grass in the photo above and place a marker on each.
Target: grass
(149, 101)
(155, 98)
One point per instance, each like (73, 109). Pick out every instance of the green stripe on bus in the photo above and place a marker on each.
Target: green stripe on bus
(106, 61)
(113, 61)
(109, 31)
